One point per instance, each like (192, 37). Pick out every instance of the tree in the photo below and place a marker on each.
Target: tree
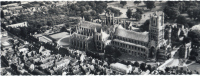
(149, 68)
(123, 62)
(172, 3)
(191, 3)
(171, 12)
(82, 9)
(194, 13)
(49, 23)
(143, 66)
(136, 64)
(145, 26)
(139, 11)
(23, 32)
(129, 63)
(167, 69)
(74, 7)
(87, 7)
(109, 50)
(123, 3)
(39, 26)
(181, 6)
(150, 4)
(129, 13)
(186, 40)
(87, 16)
(2, 14)
(63, 29)
(138, 16)
(93, 13)
(137, 2)
(181, 20)
(92, 4)
(113, 10)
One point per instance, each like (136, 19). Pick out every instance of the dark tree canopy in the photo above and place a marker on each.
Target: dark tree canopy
(87, 16)
(123, 3)
(181, 20)
(137, 16)
(82, 9)
(93, 13)
(171, 12)
(145, 26)
(137, 2)
(194, 13)
(92, 4)
(136, 64)
(143, 66)
(49, 23)
(139, 11)
(150, 4)
(172, 3)
(87, 7)
(129, 13)
(112, 51)
(113, 10)
(63, 29)
(186, 40)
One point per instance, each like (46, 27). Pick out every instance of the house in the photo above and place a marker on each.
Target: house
(24, 50)
(61, 64)
(47, 59)
(44, 51)
(82, 58)
(121, 68)
(23, 24)
(47, 65)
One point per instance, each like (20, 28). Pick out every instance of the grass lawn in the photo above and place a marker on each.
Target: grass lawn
(195, 66)
(64, 39)
(58, 36)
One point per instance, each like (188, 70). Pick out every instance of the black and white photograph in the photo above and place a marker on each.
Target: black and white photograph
(100, 37)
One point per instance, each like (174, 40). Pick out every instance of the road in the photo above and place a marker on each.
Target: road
(173, 61)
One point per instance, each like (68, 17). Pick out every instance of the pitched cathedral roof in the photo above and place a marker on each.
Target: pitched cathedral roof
(140, 36)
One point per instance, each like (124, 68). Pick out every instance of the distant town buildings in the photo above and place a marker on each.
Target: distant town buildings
(23, 24)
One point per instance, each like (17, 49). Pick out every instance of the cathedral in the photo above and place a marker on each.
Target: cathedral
(144, 44)
(150, 44)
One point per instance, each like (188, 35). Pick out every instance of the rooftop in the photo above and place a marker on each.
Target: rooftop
(79, 36)
(129, 43)
(92, 25)
(119, 65)
(140, 36)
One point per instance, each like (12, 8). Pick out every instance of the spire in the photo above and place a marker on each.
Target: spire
(95, 30)
(101, 30)
(83, 18)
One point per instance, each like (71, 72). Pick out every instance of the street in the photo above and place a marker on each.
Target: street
(173, 61)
